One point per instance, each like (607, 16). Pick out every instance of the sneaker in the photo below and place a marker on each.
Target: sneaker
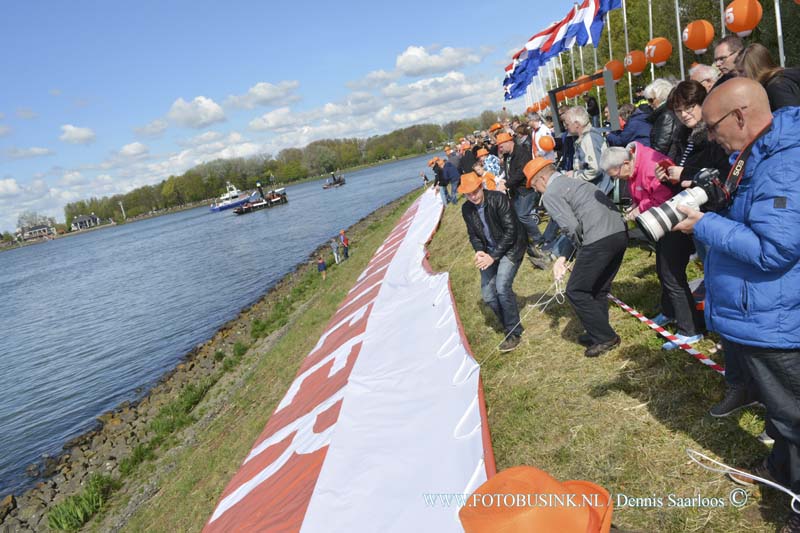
(792, 524)
(735, 399)
(584, 339)
(682, 339)
(662, 320)
(601, 347)
(760, 469)
(511, 342)
(764, 438)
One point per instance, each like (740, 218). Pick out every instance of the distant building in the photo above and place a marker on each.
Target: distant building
(37, 232)
(84, 222)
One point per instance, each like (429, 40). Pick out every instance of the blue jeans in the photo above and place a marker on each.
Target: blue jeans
(443, 192)
(497, 293)
(454, 190)
(523, 205)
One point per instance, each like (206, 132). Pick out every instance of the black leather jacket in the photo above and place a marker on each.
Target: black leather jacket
(514, 163)
(508, 233)
(665, 131)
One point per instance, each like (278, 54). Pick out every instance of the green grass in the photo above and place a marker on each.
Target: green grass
(75, 511)
(623, 420)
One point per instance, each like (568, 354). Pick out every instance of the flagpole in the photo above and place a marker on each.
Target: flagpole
(627, 48)
(572, 60)
(599, 98)
(680, 34)
(650, 17)
(608, 26)
(722, 16)
(561, 67)
(778, 24)
(580, 51)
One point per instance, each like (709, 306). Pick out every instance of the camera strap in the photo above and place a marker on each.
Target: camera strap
(737, 170)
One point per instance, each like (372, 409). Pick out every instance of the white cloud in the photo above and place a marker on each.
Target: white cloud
(264, 94)
(198, 113)
(25, 153)
(416, 61)
(71, 178)
(9, 187)
(279, 119)
(75, 135)
(134, 149)
(203, 138)
(152, 129)
(4, 130)
(27, 114)
(375, 79)
(356, 104)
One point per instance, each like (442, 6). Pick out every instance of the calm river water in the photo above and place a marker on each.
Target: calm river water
(94, 319)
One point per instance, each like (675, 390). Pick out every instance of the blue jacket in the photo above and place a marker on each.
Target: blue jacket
(450, 173)
(753, 265)
(637, 128)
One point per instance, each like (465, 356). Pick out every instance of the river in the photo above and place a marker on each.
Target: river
(92, 320)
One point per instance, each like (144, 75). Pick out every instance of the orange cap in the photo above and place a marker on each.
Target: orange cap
(482, 152)
(533, 167)
(433, 161)
(504, 138)
(571, 506)
(470, 182)
(494, 127)
(341, 232)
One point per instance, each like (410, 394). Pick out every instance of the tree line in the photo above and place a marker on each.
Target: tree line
(322, 157)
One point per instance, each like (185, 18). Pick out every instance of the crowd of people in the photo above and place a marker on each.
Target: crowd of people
(728, 131)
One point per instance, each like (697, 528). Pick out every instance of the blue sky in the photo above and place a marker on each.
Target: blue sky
(102, 97)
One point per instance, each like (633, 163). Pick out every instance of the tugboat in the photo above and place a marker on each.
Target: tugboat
(334, 181)
(262, 201)
(233, 197)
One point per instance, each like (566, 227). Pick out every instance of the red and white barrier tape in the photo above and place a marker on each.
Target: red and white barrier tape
(667, 335)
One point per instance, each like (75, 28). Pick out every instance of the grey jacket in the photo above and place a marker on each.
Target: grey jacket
(581, 210)
(586, 164)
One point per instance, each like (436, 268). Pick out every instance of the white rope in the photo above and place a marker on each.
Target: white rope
(725, 469)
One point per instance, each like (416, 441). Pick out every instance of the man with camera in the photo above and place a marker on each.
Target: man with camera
(753, 265)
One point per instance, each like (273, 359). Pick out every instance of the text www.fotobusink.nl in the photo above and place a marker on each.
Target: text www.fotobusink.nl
(736, 498)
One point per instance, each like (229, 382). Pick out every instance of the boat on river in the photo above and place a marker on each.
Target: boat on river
(233, 197)
(260, 201)
(334, 182)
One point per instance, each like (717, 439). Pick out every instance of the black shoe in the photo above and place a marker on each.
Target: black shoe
(760, 469)
(511, 342)
(735, 398)
(539, 262)
(601, 347)
(533, 251)
(792, 524)
(584, 339)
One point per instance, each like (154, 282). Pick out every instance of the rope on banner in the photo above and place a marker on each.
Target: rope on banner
(725, 469)
(667, 335)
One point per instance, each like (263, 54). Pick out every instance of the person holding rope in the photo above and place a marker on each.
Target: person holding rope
(499, 241)
(594, 225)
(753, 269)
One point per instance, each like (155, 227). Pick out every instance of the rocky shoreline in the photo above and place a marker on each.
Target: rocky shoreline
(120, 431)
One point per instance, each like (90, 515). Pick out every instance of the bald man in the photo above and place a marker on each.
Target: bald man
(752, 273)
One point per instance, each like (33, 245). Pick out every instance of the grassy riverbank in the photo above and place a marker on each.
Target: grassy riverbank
(178, 488)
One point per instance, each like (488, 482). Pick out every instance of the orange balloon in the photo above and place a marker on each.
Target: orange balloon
(547, 143)
(742, 16)
(697, 35)
(544, 103)
(658, 51)
(616, 67)
(533, 109)
(599, 82)
(561, 96)
(635, 62)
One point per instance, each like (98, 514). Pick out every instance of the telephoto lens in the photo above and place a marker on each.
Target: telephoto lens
(658, 220)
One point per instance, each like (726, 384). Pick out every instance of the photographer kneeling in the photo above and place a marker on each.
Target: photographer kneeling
(753, 266)
(638, 163)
